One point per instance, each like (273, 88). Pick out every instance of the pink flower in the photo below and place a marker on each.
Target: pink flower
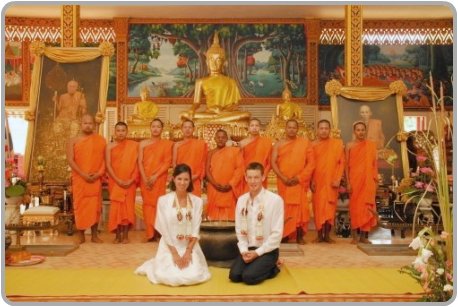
(429, 188)
(421, 158)
(444, 235)
(449, 276)
(426, 170)
(419, 184)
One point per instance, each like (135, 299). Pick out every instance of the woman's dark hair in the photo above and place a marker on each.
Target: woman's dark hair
(178, 170)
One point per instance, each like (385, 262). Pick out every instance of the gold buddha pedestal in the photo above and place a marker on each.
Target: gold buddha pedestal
(144, 112)
(221, 93)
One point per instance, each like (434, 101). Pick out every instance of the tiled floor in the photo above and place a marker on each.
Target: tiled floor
(107, 254)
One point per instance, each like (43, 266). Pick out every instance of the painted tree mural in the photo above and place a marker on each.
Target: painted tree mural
(262, 58)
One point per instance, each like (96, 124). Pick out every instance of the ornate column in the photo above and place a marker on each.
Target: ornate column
(121, 28)
(313, 38)
(353, 45)
(70, 20)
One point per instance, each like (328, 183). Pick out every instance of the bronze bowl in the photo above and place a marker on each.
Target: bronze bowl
(218, 242)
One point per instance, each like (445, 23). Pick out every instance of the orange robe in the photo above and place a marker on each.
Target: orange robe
(329, 167)
(362, 173)
(193, 152)
(295, 159)
(89, 155)
(226, 167)
(258, 150)
(157, 158)
(122, 201)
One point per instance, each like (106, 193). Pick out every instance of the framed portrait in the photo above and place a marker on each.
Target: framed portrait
(66, 84)
(167, 58)
(382, 111)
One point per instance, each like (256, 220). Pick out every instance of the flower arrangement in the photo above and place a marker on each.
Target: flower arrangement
(421, 183)
(431, 268)
(14, 185)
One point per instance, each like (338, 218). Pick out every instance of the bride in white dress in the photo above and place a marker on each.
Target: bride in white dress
(179, 259)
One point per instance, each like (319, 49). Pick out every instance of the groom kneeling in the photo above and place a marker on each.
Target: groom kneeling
(259, 229)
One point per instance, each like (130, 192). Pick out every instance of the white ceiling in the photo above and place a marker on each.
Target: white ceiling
(201, 10)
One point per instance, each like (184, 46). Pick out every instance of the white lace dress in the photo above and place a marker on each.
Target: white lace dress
(161, 269)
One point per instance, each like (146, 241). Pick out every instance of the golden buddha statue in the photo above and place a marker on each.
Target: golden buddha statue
(221, 92)
(288, 109)
(145, 110)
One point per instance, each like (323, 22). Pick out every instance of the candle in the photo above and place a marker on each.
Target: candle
(65, 195)
(21, 209)
(36, 201)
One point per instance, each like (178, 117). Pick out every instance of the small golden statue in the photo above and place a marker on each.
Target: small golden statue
(221, 92)
(285, 111)
(145, 110)
(288, 109)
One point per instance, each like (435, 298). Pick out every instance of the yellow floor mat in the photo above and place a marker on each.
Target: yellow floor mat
(106, 282)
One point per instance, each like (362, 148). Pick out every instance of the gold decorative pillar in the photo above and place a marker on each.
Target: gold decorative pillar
(69, 26)
(313, 37)
(121, 28)
(353, 45)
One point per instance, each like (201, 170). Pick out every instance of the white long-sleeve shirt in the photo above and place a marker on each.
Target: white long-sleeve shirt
(272, 221)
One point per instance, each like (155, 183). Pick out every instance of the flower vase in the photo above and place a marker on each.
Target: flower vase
(425, 211)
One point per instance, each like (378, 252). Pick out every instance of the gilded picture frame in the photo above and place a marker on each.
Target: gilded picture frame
(384, 108)
(66, 83)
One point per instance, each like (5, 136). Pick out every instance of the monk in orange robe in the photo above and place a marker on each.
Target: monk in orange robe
(192, 152)
(224, 171)
(154, 161)
(362, 182)
(329, 167)
(255, 149)
(121, 159)
(293, 162)
(86, 157)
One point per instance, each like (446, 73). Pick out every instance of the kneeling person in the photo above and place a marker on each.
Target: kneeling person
(259, 229)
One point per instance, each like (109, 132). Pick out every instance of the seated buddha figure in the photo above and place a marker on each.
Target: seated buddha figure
(145, 110)
(288, 109)
(221, 92)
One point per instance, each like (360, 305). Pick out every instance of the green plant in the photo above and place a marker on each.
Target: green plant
(431, 268)
(17, 189)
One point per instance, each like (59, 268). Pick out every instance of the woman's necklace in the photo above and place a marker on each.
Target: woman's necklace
(184, 222)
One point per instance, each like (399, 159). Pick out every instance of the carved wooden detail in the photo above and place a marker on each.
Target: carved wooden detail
(70, 25)
(353, 45)
(313, 39)
(391, 32)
